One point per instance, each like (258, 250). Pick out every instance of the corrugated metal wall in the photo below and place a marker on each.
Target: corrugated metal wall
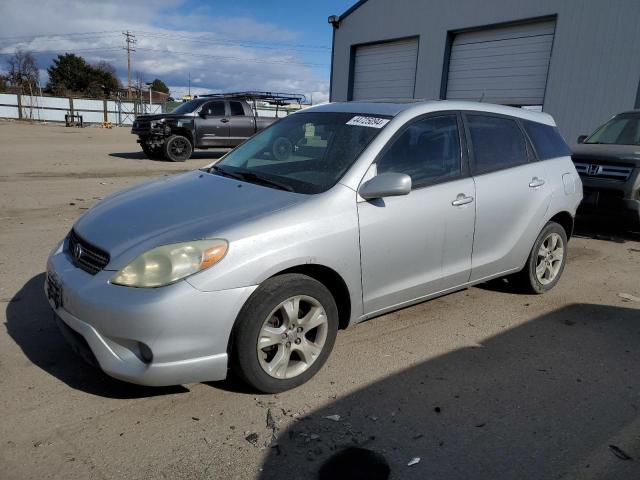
(595, 63)
(385, 70)
(507, 65)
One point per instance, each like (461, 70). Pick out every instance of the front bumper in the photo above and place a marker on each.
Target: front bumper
(186, 330)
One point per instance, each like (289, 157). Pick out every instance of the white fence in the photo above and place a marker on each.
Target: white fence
(53, 109)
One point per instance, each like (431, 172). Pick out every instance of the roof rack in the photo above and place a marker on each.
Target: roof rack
(274, 98)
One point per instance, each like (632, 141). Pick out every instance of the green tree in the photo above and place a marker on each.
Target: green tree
(105, 75)
(159, 86)
(3, 83)
(71, 74)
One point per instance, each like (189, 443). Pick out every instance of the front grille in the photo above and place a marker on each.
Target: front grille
(88, 257)
(597, 170)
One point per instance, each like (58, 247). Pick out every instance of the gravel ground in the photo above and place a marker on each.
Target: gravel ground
(483, 383)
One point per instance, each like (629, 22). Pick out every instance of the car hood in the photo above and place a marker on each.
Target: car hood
(190, 206)
(168, 116)
(626, 154)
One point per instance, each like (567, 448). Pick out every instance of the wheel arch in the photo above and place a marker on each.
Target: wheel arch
(185, 133)
(333, 282)
(565, 220)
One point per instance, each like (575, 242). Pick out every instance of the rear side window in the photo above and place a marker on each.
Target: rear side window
(427, 150)
(236, 109)
(546, 140)
(498, 143)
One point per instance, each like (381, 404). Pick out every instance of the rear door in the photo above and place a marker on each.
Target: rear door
(241, 126)
(512, 194)
(419, 244)
(212, 125)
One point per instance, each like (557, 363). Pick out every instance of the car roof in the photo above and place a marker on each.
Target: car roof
(417, 107)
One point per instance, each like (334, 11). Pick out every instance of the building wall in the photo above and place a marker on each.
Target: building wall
(595, 61)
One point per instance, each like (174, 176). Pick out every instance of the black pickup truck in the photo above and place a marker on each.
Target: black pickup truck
(219, 120)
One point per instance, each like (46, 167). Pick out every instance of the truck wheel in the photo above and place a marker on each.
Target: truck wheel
(282, 148)
(284, 333)
(177, 148)
(154, 153)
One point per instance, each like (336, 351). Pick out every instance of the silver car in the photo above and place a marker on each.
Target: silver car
(331, 216)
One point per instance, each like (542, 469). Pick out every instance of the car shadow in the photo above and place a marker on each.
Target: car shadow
(30, 324)
(197, 155)
(556, 397)
(603, 228)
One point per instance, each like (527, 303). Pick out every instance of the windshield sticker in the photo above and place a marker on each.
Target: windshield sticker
(373, 122)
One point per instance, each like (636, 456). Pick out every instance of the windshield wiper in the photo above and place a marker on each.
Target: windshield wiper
(252, 177)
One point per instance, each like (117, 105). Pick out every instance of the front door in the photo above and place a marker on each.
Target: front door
(419, 244)
(512, 194)
(212, 125)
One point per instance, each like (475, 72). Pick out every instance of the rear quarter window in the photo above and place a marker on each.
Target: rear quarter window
(498, 143)
(547, 141)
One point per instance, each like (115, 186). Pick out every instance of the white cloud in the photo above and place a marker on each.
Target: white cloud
(220, 54)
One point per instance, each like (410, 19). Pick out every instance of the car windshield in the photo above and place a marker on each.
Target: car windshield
(621, 130)
(304, 152)
(189, 107)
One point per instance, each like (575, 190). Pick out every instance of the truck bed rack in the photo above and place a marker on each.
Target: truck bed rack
(274, 98)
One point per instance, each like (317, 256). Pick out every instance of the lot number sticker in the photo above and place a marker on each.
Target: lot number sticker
(373, 122)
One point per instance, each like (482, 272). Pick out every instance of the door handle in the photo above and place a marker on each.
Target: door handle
(461, 199)
(224, 120)
(536, 182)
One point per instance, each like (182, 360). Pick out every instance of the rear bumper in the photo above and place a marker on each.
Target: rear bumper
(187, 330)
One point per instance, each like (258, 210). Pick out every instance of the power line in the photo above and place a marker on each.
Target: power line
(201, 39)
(99, 34)
(73, 50)
(222, 57)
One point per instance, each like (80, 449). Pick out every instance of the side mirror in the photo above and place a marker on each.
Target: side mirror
(582, 138)
(386, 185)
(203, 113)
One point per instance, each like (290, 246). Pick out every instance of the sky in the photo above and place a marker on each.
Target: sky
(272, 45)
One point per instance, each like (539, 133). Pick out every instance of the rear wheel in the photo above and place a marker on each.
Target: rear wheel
(177, 148)
(285, 333)
(546, 260)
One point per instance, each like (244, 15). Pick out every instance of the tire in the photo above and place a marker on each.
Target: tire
(177, 148)
(154, 153)
(282, 148)
(551, 266)
(293, 357)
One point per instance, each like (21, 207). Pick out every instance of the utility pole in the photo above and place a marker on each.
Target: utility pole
(130, 40)
(189, 85)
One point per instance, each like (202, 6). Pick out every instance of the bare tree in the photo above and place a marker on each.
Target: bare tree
(23, 71)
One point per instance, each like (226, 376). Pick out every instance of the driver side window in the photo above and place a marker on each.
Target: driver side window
(427, 150)
(214, 109)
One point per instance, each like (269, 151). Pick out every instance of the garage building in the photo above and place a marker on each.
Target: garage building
(578, 60)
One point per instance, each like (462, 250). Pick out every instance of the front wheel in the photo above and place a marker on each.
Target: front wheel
(546, 260)
(177, 148)
(154, 153)
(285, 333)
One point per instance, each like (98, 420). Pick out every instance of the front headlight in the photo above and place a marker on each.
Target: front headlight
(170, 263)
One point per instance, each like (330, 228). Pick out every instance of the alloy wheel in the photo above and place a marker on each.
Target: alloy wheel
(292, 337)
(550, 258)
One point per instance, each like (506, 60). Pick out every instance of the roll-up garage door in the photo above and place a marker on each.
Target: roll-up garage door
(385, 70)
(505, 65)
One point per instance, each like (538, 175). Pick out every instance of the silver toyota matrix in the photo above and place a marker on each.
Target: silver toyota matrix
(332, 215)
